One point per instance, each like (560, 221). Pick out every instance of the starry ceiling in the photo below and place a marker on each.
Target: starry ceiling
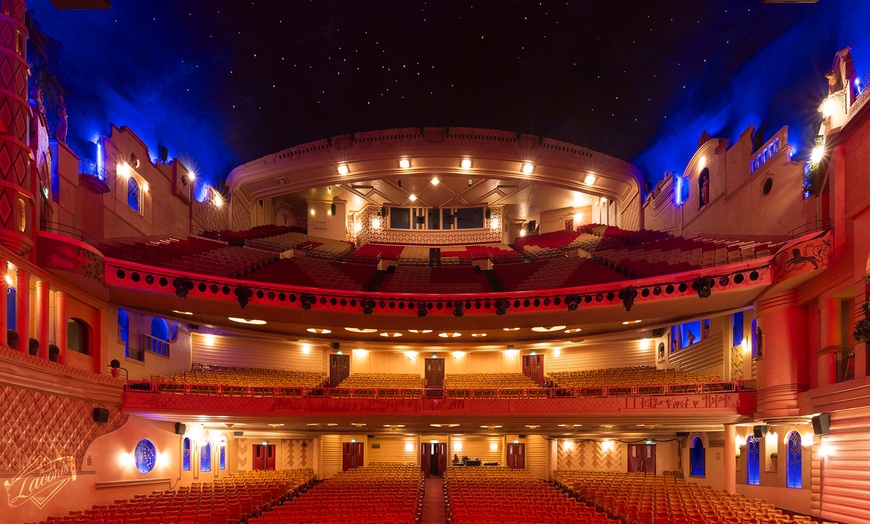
(224, 82)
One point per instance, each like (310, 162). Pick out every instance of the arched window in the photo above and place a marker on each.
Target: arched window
(159, 329)
(753, 461)
(133, 194)
(793, 465)
(77, 336)
(698, 458)
(205, 456)
(185, 454)
(124, 330)
(223, 454)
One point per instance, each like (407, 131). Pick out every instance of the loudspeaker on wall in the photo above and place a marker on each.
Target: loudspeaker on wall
(759, 431)
(180, 428)
(101, 415)
(822, 424)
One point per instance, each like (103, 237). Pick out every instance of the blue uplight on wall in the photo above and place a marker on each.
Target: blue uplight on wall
(205, 457)
(753, 461)
(794, 461)
(145, 456)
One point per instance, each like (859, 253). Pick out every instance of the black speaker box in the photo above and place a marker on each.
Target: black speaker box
(336, 345)
(180, 428)
(822, 424)
(488, 214)
(238, 433)
(383, 211)
(101, 415)
(682, 433)
(533, 224)
(332, 209)
(759, 431)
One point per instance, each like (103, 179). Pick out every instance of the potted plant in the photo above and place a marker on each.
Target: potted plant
(12, 338)
(33, 346)
(773, 457)
(862, 327)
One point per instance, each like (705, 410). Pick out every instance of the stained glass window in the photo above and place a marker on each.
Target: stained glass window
(698, 457)
(133, 194)
(205, 457)
(223, 455)
(185, 454)
(793, 466)
(145, 455)
(753, 461)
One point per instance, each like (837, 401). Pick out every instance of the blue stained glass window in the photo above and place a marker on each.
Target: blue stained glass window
(698, 457)
(133, 194)
(223, 455)
(737, 335)
(205, 457)
(185, 454)
(145, 455)
(753, 461)
(793, 466)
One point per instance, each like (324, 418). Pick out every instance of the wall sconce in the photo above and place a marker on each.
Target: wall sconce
(493, 446)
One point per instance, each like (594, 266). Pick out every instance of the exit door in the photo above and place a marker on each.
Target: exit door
(533, 367)
(433, 460)
(434, 372)
(641, 458)
(352, 455)
(516, 456)
(339, 369)
(263, 457)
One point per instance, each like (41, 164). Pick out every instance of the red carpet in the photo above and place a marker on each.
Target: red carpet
(433, 501)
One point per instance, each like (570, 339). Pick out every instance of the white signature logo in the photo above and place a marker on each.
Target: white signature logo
(40, 480)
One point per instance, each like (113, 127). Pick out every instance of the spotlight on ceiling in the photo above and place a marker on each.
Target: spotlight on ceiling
(422, 311)
(590, 179)
(528, 168)
(703, 285)
(368, 305)
(457, 309)
(501, 306)
(307, 300)
(723, 281)
(738, 278)
(182, 286)
(572, 301)
(627, 296)
(754, 275)
(405, 163)
(343, 169)
(243, 293)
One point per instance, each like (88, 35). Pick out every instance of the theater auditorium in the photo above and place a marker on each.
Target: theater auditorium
(434, 324)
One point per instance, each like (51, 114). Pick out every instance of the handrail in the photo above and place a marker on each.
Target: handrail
(816, 225)
(70, 231)
(179, 388)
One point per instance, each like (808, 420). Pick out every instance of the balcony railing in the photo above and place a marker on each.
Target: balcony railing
(92, 168)
(175, 388)
(845, 364)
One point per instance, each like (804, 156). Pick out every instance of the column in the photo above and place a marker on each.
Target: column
(60, 321)
(730, 460)
(22, 309)
(41, 316)
(830, 340)
(782, 366)
(15, 162)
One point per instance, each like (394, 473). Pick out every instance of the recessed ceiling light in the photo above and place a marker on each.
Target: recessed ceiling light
(419, 331)
(253, 321)
(394, 426)
(573, 330)
(391, 334)
(276, 425)
(343, 169)
(490, 427)
(570, 426)
(590, 179)
(449, 335)
(465, 163)
(478, 334)
(361, 330)
(358, 424)
(404, 163)
(511, 329)
(528, 168)
(627, 322)
(444, 425)
(541, 329)
(182, 312)
(412, 198)
(533, 426)
(319, 331)
(435, 181)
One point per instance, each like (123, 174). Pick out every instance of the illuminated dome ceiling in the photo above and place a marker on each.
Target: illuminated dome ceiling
(526, 173)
